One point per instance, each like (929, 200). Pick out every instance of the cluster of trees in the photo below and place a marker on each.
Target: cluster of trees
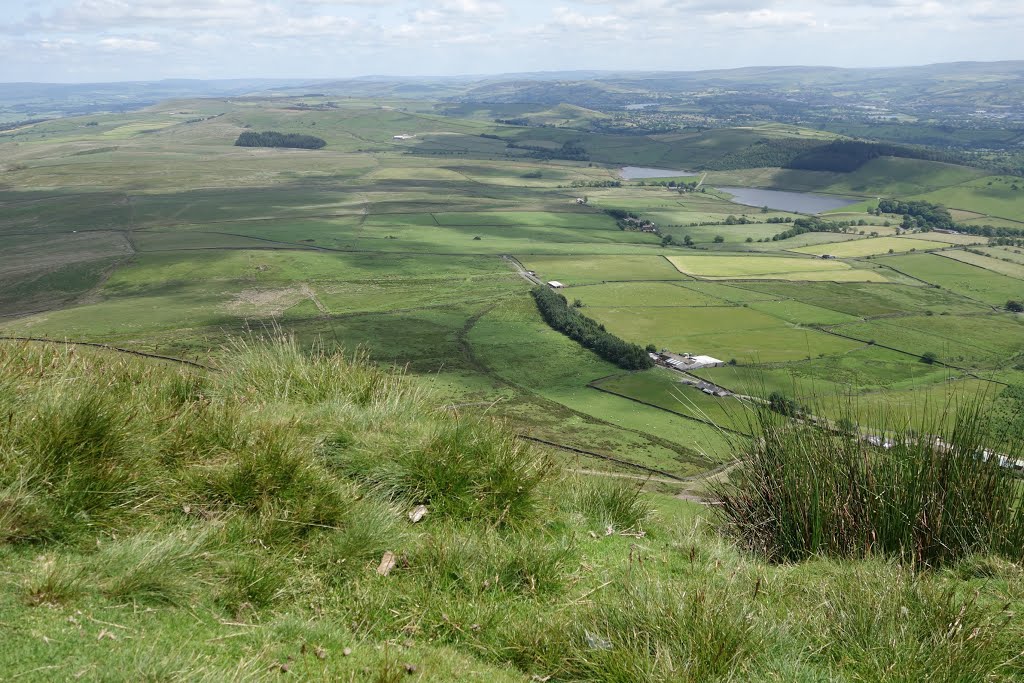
(596, 183)
(845, 156)
(840, 156)
(919, 214)
(810, 224)
(571, 150)
(764, 153)
(272, 138)
(627, 220)
(995, 232)
(587, 332)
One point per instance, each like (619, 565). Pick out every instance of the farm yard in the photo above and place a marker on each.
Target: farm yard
(417, 237)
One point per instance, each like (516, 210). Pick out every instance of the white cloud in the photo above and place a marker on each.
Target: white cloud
(128, 45)
(221, 38)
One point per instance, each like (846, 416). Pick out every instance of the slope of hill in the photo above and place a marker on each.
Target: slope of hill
(166, 523)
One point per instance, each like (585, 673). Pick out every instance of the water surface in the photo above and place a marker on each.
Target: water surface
(782, 200)
(641, 172)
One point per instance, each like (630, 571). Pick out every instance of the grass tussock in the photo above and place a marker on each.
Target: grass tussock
(918, 491)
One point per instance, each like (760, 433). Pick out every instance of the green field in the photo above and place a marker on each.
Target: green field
(996, 265)
(990, 196)
(725, 333)
(873, 246)
(771, 268)
(960, 278)
(157, 234)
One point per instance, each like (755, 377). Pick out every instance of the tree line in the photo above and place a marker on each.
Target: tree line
(271, 138)
(557, 313)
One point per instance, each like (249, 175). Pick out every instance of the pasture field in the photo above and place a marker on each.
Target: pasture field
(984, 342)
(642, 294)
(800, 313)
(838, 399)
(873, 246)
(957, 239)
(990, 196)
(596, 269)
(770, 268)
(152, 231)
(747, 335)
(996, 265)
(663, 388)
(960, 278)
(870, 300)
(1013, 254)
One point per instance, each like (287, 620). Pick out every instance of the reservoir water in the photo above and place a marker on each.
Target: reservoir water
(798, 202)
(641, 172)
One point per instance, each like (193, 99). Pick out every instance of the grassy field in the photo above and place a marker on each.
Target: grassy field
(960, 278)
(726, 333)
(771, 268)
(873, 246)
(991, 196)
(1008, 266)
(162, 522)
(155, 233)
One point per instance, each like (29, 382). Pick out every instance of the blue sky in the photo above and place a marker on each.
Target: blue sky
(110, 40)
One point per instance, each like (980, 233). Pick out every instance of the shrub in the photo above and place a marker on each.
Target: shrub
(923, 494)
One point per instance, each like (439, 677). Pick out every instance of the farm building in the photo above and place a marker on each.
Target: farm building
(706, 362)
(555, 284)
(686, 361)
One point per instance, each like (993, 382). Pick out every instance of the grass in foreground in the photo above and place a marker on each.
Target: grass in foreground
(163, 524)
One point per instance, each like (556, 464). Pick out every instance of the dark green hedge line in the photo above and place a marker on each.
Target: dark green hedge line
(589, 333)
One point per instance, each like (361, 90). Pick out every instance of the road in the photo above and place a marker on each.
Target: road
(521, 269)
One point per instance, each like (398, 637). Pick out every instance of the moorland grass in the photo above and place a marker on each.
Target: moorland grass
(239, 516)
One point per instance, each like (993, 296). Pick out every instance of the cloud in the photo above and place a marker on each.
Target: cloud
(128, 45)
(227, 38)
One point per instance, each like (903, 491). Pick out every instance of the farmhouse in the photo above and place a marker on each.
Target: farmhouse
(404, 136)
(555, 284)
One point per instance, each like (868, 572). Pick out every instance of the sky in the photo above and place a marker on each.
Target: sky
(118, 40)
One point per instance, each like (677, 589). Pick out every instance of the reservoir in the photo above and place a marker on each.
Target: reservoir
(797, 202)
(641, 172)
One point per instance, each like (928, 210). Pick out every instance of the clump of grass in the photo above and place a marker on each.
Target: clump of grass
(645, 630)
(918, 490)
(918, 631)
(461, 467)
(454, 561)
(610, 502)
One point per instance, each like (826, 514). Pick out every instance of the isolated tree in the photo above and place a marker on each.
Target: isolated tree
(719, 239)
(1015, 306)
(929, 358)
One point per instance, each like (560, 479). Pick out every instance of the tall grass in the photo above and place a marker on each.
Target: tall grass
(921, 491)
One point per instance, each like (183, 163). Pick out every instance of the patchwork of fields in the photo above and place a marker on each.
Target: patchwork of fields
(151, 231)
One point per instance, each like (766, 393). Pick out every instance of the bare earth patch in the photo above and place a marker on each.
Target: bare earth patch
(266, 303)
